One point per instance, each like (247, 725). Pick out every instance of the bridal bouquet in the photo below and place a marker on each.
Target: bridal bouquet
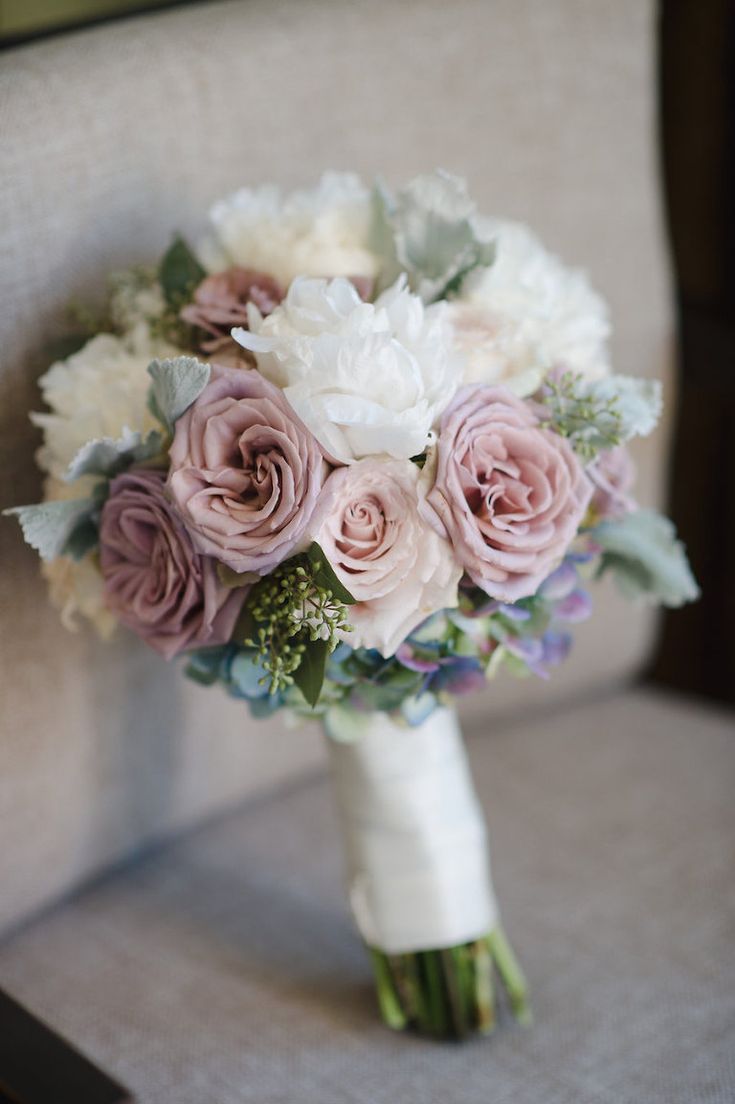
(354, 454)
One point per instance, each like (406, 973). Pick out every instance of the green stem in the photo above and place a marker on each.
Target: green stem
(390, 1005)
(511, 974)
(450, 993)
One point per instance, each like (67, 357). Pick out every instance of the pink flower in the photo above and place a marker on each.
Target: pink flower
(245, 471)
(397, 568)
(221, 302)
(509, 494)
(613, 475)
(154, 581)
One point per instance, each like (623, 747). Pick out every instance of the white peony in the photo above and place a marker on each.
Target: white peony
(367, 379)
(527, 313)
(96, 392)
(320, 232)
(76, 588)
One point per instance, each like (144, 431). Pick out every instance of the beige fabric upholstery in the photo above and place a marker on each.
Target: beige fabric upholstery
(113, 138)
(225, 970)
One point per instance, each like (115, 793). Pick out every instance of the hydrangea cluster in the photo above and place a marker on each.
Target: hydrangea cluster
(357, 450)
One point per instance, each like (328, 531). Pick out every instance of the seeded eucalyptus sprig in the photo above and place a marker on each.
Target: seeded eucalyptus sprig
(590, 422)
(596, 415)
(294, 618)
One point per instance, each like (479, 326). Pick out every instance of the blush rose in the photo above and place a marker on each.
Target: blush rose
(245, 472)
(613, 476)
(220, 302)
(397, 567)
(509, 493)
(154, 581)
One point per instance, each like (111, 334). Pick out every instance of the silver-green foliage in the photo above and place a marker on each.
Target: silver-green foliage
(428, 230)
(646, 558)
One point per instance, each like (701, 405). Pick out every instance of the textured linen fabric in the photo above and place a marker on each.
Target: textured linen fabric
(225, 970)
(113, 138)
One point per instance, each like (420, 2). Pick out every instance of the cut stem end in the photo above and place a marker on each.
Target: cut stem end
(450, 993)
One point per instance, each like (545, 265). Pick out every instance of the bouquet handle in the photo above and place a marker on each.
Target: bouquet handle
(419, 874)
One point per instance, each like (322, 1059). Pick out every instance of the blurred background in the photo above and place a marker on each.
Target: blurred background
(697, 49)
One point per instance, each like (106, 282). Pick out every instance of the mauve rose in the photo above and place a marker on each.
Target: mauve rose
(221, 302)
(245, 471)
(509, 494)
(394, 564)
(613, 475)
(154, 581)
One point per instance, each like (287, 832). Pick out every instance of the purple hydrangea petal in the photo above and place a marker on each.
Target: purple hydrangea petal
(514, 613)
(556, 646)
(461, 675)
(575, 608)
(407, 657)
(560, 583)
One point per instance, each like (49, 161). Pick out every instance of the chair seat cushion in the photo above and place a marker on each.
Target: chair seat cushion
(224, 968)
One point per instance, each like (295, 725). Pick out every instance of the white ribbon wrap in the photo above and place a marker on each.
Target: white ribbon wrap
(415, 835)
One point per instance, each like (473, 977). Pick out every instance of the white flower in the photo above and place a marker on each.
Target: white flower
(394, 564)
(75, 586)
(321, 232)
(366, 378)
(97, 392)
(527, 313)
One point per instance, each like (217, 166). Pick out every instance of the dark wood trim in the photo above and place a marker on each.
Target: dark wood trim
(37, 1066)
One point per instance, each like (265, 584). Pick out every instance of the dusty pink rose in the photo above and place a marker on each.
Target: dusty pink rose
(154, 580)
(613, 475)
(221, 302)
(509, 494)
(393, 563)
(245, 471)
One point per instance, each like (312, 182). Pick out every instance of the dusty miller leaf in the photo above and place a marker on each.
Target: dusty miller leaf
(638, 403)
(177, 383)
(50, 527)
(428, 230)
(646, 558)
(108, 456)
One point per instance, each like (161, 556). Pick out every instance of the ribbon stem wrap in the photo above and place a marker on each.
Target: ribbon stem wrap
(415, 835)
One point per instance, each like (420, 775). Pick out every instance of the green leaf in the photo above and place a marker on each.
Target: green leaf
(204, 665)
(64, 347)
(107, 456)
(646, 559)
(233, 579)
(50, 527)
(325, 577)
(179, 274)
(83, 538)
(309, 675)
(245, 626)
(177, 383)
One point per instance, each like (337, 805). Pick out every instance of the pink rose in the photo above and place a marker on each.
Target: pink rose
(396, 566)
(510, 494)
(221, 302)
(245, 471)
(613, 475)
(154, 581)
